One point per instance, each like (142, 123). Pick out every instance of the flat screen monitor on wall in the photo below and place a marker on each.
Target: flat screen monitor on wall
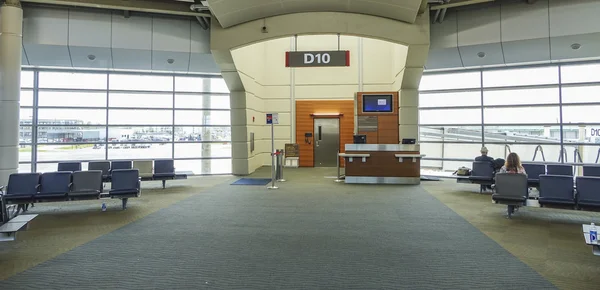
(377, 103)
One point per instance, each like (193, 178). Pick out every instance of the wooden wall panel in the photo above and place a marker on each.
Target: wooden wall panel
(304, 124)
(387, 122)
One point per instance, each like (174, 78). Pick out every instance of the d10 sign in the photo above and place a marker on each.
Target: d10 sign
(317, 58)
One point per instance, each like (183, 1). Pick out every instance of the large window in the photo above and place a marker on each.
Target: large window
(85, 116)
(529, 110)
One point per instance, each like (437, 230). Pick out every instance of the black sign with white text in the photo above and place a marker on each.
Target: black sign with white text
(317, 58)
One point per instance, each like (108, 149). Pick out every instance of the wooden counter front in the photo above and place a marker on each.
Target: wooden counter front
(383, 164)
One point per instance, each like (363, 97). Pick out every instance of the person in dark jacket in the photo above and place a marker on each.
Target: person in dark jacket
(484, 157)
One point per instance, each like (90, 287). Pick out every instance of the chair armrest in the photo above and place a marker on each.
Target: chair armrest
(37, 186)
(2, 189)
(70, 186)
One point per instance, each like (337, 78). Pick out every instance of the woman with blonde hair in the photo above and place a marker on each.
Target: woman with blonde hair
(513, 165)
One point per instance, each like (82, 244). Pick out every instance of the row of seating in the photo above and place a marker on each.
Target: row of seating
(162, 169)
(554, 190)
(483, 172)
(27, 188)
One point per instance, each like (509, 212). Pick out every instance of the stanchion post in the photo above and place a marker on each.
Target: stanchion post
(339, 177)
(280, 167)
(273, 156)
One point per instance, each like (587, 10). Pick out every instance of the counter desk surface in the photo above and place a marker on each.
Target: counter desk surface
(382, 163)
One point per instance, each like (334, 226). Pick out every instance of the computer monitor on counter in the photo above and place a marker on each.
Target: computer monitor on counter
(409, 141)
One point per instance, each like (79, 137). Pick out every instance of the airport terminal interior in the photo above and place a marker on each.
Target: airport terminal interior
(299, 144)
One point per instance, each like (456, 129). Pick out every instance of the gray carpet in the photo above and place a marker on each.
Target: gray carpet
(333, 236)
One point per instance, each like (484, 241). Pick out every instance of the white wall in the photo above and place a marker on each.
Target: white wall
(375, 65)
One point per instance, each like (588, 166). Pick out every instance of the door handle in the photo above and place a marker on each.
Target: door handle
(319, 133)
(317, 143)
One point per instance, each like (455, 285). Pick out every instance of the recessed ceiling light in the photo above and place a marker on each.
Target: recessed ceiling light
(91, 57)
(481, 54)
(170, 61)
(575, 46)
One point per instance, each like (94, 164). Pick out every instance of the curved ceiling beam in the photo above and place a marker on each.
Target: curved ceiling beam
(170, 7)
(234, 12)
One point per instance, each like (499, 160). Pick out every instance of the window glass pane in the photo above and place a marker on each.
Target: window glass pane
(25, 116)
(25, 134)
(448, 150)
(460, 80)
(191, 150)
(71, 116)
(581, 134)
(580, 73)
(24, 167)
(136, 100)
(47, 167)
(454, 99)
(214, 166)
(71, 99)
(450, 133)
(586, 94)
(202, 118)
(71, 80)
(588, 154)
(140, 117)
(520, 76)
(140, 82)
(191, 84)
(74, 133)
(522, 115)
(139, 151)
(190, 166)
(70, 152)
(528, 134)
(520, 97)
(218, 85)
(450, 116)
(26, 79)
(581, 114)
(26, 99)
(202, 134)
(219, 166)
(201, 102)
(141, 134)
(25, 153)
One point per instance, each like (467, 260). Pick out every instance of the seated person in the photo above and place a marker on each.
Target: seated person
(484, 156)
(513, 165)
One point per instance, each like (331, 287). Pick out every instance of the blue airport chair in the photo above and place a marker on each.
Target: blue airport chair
(559, 169)
(21, 189)
(556, 190)
(69, 166)
(125, 183)
(588, 192)
(86, 185)
(54, 186)
(591, 170)
(103, 166)
(512, 190)
(482, 174)
(121, 164)
(533, 173)
(164, 170)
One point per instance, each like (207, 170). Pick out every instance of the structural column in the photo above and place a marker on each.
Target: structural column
(11, 29)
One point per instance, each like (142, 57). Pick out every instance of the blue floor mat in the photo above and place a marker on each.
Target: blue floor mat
(252, 181)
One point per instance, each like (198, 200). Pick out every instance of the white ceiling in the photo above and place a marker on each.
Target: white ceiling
(234, 12)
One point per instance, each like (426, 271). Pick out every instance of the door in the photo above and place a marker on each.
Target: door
(327, 141)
